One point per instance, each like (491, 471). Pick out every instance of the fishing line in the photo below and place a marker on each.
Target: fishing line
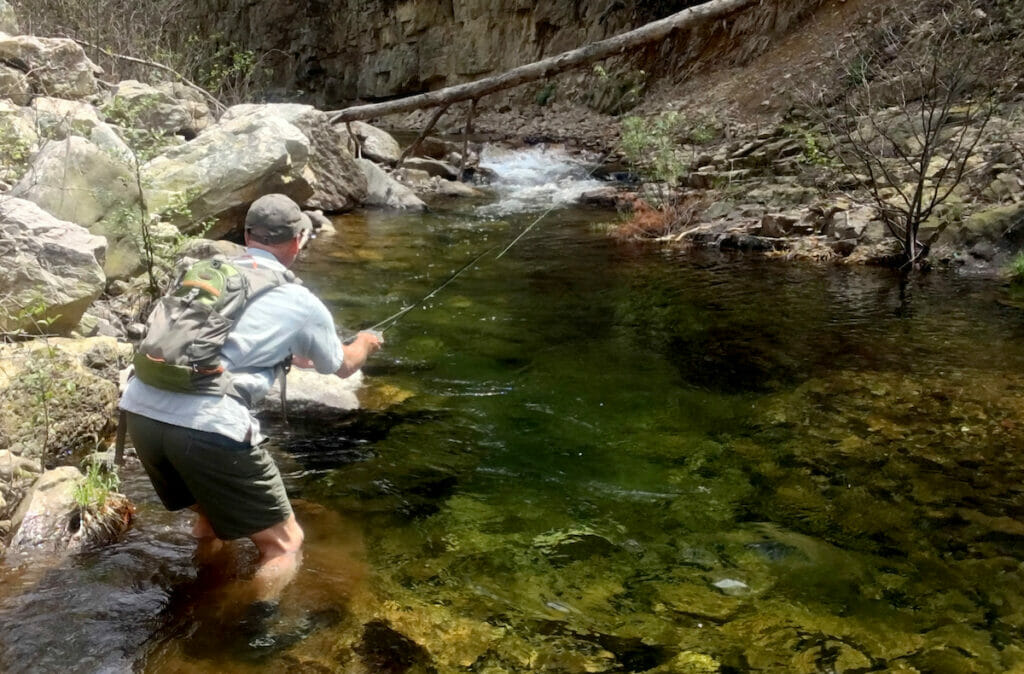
(391, 320)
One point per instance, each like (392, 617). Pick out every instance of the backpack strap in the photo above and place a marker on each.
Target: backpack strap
(261, 280)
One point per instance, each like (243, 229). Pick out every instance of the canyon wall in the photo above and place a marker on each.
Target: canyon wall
(336, 51)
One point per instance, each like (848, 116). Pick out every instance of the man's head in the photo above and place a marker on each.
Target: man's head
(275, 218)
(276, 223)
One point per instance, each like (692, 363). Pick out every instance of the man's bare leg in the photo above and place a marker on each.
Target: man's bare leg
(280, 549)
(208, 546)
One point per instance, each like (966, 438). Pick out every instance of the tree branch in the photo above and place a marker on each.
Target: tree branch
(217, 105)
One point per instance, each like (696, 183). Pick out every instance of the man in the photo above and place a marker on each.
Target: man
(202, 451)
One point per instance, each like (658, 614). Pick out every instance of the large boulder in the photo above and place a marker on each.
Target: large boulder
(383, 191)
(374, 144)
(54, 66)
(51, 271)
(141, 106)
(73, 179)
(60, 397)
(227, 167)
(58, 118)
(338, 184)
(76, 181)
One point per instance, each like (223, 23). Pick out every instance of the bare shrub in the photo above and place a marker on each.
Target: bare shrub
(916, 103)
(162, 33)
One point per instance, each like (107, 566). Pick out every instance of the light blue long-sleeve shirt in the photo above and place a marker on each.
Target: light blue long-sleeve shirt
(288, 320)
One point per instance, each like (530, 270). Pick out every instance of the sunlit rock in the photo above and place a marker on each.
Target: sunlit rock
(338, 184)
(52, 269)
(8, 19)
(226, 168)
(55, 66)
(58, 119)
(14, 85)
(311, 393)
(138, 105)
(76, 181)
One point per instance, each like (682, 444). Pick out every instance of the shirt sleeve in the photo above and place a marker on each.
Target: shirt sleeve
(320, 339)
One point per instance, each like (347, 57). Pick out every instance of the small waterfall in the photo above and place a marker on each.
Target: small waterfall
(535, 178)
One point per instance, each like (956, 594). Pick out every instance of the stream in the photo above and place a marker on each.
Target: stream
(598, 456)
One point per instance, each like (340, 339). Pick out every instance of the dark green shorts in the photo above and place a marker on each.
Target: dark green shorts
(237, 486)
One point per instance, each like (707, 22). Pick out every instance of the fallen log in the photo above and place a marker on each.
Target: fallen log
(595, 51)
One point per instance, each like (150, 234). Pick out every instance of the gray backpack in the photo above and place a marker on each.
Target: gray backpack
(190, 324)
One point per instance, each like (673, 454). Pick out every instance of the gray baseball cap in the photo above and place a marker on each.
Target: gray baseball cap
(275, 218)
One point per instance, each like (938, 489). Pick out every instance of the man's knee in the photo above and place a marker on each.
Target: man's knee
(281, 539)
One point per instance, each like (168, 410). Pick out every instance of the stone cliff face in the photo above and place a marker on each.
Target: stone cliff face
(338, 51)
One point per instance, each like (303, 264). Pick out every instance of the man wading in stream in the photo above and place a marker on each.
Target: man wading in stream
(202, 449)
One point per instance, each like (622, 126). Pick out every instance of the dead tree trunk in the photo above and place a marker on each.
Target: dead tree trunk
(596, 51)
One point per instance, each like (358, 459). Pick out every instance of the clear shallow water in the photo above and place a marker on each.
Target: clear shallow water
(591, 456)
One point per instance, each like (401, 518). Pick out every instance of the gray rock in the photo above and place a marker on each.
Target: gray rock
(79, 374)
(983, 250)
(311, 394)
(433, 167)
(57, 119)
(74, 180)
(454, 189)
(8, 19)
(777, 225)
(141, 106)
(45, 518)
(12, 465)
(19, 141)
(413, 178)
(738, 240)
(383, 191)
(338, 184)
(54, 66)
(46, 260)
(603, 197)
(374, 144)
(14, 85)
(848, 223)
(51, 520)
(844, 247)
(195, 105)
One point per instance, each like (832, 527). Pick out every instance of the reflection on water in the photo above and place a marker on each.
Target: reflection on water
(590, 457)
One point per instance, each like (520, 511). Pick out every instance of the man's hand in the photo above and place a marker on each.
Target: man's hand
(374, 340)
(365, 344)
